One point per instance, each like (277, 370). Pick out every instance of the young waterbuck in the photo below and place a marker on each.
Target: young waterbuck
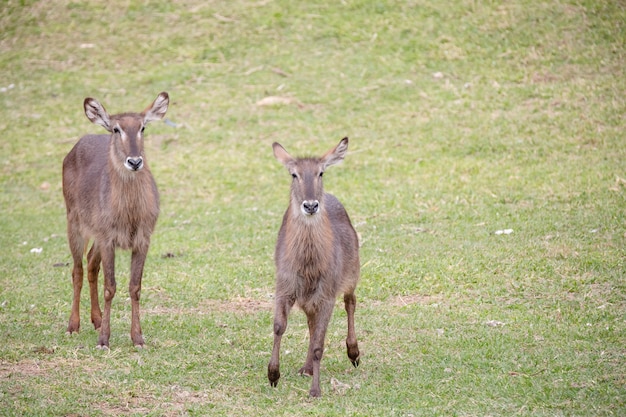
(110, 197)
(317, 258)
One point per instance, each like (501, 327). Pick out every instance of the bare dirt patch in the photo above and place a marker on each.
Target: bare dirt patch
(26, 368)
(413, 299)
(239, 305)
(405, 301)
(246, 305)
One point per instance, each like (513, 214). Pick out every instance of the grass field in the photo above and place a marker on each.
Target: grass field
(466, 119)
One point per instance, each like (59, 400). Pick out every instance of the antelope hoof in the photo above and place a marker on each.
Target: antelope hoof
(139, 342)
(103, 343)
(354, 355)
(97, 323)
(73, 327)
(273, 375)
(315, 393)
(306, 371)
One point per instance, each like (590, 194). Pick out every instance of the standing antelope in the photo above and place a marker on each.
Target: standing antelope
(110, 197)
(317, 258)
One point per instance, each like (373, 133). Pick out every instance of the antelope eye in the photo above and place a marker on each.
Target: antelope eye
(116, 129)
(143, 128)
(321, 174)
(294, 175)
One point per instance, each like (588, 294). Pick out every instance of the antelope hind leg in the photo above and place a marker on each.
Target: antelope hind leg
(351, 341)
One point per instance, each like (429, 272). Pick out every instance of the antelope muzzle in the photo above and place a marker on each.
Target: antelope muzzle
(134, 163)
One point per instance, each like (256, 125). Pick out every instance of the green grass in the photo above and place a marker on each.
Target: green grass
(464, 118)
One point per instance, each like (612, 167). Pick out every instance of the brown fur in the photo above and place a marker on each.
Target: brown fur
(317, 258)
(112, 199)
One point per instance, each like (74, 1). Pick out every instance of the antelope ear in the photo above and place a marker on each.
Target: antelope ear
(157, 109)
(336, 154)
(96, 113)
(282, 155)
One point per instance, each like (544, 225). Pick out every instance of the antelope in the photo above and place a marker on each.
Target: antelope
(317, 258)
(112, 199)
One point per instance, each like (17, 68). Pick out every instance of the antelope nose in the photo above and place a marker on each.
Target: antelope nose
(134, 164)
(310, 207)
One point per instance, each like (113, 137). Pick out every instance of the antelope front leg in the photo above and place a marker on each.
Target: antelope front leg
(93, 268)
(307, 368)
(317, 344)
(351, 342)
(108, 266)
(77, 284)
(134, 288)
(281, 312)
(76, 247)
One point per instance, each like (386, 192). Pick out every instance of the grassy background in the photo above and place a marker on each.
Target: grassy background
(464, 118)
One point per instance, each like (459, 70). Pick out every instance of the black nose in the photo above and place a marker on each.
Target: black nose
(134, 164)
(310, 207)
